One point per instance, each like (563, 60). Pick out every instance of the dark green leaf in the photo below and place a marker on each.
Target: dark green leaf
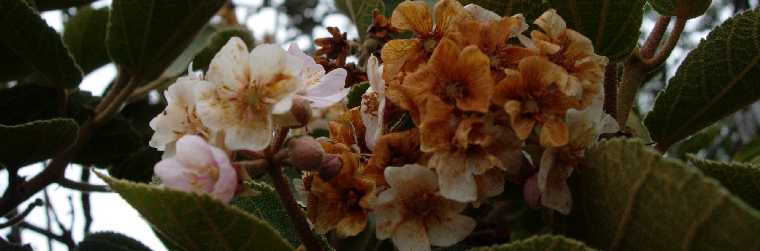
(179, 66)
(137, 167)
(110, 241)
(682, 8)
(217, 41)
(44, 5)
(145, 36)
(197, 221)
(631, 198)
(696, 142)
(355, 94)
(26, 36)
(742, 179)
(716, 79)
(748, 152)
(267, 206)
(26, 103)
(85, 36)
(360, 12)
(613, 26)
(542, 242)
(35, 141)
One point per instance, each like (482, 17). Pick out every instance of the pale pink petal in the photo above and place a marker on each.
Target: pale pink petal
(267, 61)
(330, 84)
(411, 236)
(387, 214)
(226, 184)
(254, 137)
(210, 109)
(229, 67)
(173, 175)
(450, 230)
(193, 151)
(409, 179)
(455, 179)
(375, 75)
(480, 13)
(284, 105)
(309, 65)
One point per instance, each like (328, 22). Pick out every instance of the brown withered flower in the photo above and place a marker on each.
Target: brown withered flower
(393, 149)
(335, 47)
(531, 97)
(428, 26)
(381, 27)
(340, 203)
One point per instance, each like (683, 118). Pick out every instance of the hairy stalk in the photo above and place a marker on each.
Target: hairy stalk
(83, 186)
(282, 187)
(634, 74)
(667, 48)
(655, 37)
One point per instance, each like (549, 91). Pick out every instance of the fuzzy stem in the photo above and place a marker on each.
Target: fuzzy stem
(655, 37)
(669, 45)
(634, 74)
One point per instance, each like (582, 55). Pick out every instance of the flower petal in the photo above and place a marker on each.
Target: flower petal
(414, 16)
(229, 67)
(411, 236)
(447, 13)
(269, 62)
(375, 75)
(399, 54)
(455, 178)
(551, 23)
(410, 179)
(554, 133)
(450, 230)
(173, 175)
(193, 151)
(480, 13)
(352, 224)
(254, 137)
(480, 84)
(226, 183)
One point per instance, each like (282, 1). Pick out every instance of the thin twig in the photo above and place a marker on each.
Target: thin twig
(69, 242)
(667, 48)
(85, 200)
(141, 91)
(20, 217)
(286, 195)
(655, 37)
(83, 186)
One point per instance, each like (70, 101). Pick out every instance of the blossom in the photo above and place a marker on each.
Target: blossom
(570, 49)
(414, 215)
(557, 164)
(393, 149)
(340, 203)
(488, 30)
(198, 167)
(416, 16)
(454, 78)
(246, 90)
(179, 118)
(373, 103)
(530, 98)
(320, 89)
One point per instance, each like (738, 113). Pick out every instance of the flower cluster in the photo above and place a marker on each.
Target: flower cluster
(470, 101)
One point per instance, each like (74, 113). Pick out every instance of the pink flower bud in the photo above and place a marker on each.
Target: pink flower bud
(305, 153)
(331, 166)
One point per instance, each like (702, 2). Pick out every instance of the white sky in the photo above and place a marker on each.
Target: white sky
(110, 212)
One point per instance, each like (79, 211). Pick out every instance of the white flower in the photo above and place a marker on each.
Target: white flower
(373, 103)
(198, 167)
(179, 118)
(320, 89)
(557, 164)
(246, 90)
(414, 215)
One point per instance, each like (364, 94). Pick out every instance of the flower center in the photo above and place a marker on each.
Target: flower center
(531, 107)
(423, 205)
(429, 45)
(455, 90)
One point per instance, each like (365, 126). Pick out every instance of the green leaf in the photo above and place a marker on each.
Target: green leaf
(197, 221)
(25, 103)
(613, 26)
(355, 94)
(748, 152)
(179, 66)
(360, 12)
(696, 142)
(631, 198)
(110, 241)
(85, 36)
(145, 36)
(27, 37)
(682, 8)
(35, 141)
(267, 206)
(137, 167)
(742, 179)
(44, 5)
(542, 242)
(217, 41)
(716, 79)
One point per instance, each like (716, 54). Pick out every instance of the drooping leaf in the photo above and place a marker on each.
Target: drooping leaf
(682, 8)
(267, 206)
(35, 141)
(613, 26)
(179, 66)
(145, 36)
(542, 242)
(25, 103)
(631, 198)
(716, 79)
(27, 37)
(85, 36)
(137, 167)
(217, 41)
(360, 12)
(197, 221)
(355, 94)
(110, 241)
(742, 179)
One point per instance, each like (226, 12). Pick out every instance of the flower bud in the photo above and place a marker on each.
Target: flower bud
(305, 153)
(301, 111)
(331, 165)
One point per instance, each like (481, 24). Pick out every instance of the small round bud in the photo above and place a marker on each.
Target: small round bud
(331, 165)
(301, 111)
(305, 153)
